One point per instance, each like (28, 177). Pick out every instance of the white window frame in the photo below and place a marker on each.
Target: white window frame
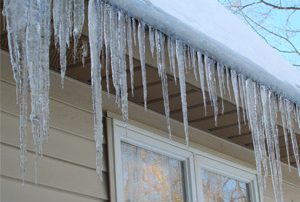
(153, 142)
(194, 160)
(228, 169)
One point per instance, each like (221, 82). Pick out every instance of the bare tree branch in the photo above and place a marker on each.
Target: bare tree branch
(275, 34)
(258, 14)
(279, 6)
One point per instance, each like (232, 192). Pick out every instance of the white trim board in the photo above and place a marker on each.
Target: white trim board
(193, 159)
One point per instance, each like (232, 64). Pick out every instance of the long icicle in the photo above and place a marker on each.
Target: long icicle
(130, 54)
(160, 50)
(284, 128)
(220, 73)
(172, 56)
(181, 69)
(271, 140)
(202, 79)
(37, 49)
(61, 20)
(122, 64)
(95, 9)
(106, 34)
(114, 54)
(289, 108)
(242, 97)
(235, 86)
(259, 149)
(211, 84)
(151, 39)
(141, 40)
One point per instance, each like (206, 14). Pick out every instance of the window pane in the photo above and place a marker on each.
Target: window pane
(219, 188)
(150, 177)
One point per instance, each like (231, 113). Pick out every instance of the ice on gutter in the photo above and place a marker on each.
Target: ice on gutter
(207, 25)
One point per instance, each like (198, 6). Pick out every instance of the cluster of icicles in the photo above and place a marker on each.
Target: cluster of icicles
(113, 32)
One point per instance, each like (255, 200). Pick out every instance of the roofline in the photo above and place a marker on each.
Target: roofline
(258, 65)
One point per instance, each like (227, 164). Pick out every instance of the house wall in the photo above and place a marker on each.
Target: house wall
(67, 170)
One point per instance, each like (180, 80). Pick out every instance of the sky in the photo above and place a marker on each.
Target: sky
(277, 21)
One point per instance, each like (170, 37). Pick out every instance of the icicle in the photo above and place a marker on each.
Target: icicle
(194, 63)
(106, 35)
(151, 40)
(180, 61)
(169, 54)
(37, 48)
(133, 30)
(220, 72)
(271, 136)
(16, 28)
(114, 50)
(185, 58)
(188, 63)
(228, 82)
(258, 139)
(202, 79)
(290, 120)
(273, 107)
(141, 38)
(245, 95)
(62, 28)
(122, 64)
(234, 81)
(130, 54)
(211, 84)
(273, 118)
(28, 25)
(160, 50)
(298, 116)
(56, 19)
(23, 96)
(94, 13)
(84, 52)
(284, 128)
(172, 55)
(242, 94)
(78, 23)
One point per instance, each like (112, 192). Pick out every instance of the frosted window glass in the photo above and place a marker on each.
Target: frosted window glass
(219, 188)
(150, 177)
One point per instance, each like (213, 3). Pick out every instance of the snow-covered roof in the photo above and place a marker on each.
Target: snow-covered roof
(207, 25)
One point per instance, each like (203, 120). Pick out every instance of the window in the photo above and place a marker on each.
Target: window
(220, 188)
(149, 176)
(150, 168)
(223, 182)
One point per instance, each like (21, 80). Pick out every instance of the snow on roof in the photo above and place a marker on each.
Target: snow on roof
(207, 25)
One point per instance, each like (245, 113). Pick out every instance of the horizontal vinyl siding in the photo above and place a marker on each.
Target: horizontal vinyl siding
(66, 172)
(12, 190)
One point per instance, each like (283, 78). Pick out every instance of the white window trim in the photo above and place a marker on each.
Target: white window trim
(194, 160)
(153, 142)
(225, 168)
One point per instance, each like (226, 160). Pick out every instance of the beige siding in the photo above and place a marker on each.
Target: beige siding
(67, 170)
